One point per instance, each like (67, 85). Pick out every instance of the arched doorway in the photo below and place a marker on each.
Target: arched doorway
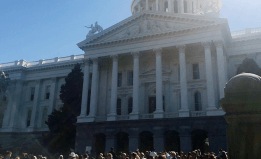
(146, 141)
(100, 143)
(122, 142)
(199, 140)
(172, 141)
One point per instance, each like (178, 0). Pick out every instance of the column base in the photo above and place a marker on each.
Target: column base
(134, 116)
(184, 113)
(215, 112)
(111, 117)
(158, 114)
(86, 119)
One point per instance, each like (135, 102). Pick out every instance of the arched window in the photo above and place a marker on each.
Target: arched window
(166, 9)
(198, 104)
(176, 7)
(44, 117)
(185, 6)
(118, 106)
(28, 119)
(130, 105)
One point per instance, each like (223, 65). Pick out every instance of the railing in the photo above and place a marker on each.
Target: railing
(171, 115)
(146, 116)
(197, 113)
(246, 32)
(123, 117)
(41, 62)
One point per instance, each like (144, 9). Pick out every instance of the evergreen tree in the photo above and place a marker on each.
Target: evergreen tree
(249, 66)
(61, 122)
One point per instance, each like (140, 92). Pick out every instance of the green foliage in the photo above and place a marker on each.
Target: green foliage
(61, 122)
(249, 66)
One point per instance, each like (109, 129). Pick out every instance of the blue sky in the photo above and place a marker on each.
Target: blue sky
(44, 29)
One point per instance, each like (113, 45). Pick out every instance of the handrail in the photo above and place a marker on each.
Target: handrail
(246, 32)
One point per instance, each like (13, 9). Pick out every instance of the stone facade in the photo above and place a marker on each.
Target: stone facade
(153, 67)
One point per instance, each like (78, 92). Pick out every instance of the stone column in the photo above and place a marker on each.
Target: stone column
(94, 90)
(52, 96)
(184, 111)
(169, 6)
(133, 139)
(16, 104)
(181, 6)
(157, 5)
(147, 4)
(85, 89)
(185, 142)
(35, 106)
(221, 68)
(158, 137)
(136, 83)
(110, 141)
(209, 76)
(114, 89)
(159, 107)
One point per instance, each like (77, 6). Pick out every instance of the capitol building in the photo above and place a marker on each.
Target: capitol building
(153, 80)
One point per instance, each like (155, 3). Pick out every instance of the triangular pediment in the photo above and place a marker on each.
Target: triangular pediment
(149, 23)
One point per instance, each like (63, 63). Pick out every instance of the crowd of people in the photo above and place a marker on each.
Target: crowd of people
(196, 154)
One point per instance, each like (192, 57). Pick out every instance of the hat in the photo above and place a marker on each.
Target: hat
(72, 154)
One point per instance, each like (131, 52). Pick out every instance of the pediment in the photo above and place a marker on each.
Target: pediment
(144, 25)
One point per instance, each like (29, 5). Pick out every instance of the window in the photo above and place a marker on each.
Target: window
(196, 71)
(32, 94)
(44, 117)
(47, 92)
(28, 119)
(166, 9)
(130, 78)
(198, 105)
(130, 105)
(185, 6)
(119, 79)
(118, 106)
(176, 7)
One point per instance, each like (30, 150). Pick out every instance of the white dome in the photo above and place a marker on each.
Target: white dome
(199, 7)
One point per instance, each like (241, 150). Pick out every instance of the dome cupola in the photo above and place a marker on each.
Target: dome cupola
(198, 7)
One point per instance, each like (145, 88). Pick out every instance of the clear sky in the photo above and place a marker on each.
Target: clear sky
(44, 29)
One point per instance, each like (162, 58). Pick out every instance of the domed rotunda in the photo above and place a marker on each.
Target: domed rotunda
(198, 7)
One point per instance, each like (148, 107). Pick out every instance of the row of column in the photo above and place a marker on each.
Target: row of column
(184, 111)
(12, 117)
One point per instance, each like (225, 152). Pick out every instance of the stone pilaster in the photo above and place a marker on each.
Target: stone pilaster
(184, 111)
(159, 107)
(114, 89)
(136, 83)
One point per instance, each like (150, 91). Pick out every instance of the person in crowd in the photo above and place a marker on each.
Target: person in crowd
(61, 157)
(72, 155)
(8, 154)
(224, 155)
(142, 156)
(1, 156)
(113, 153)
(153, 153)
(85, 156)
(109, 156)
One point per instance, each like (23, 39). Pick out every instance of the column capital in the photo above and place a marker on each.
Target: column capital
(207, 44)
(218, 43)
(86, 61)
(135, 54)
(181, 48)
(114, 57)
(157, 51)
(94, 60)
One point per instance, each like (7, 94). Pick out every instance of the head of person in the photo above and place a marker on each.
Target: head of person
(133, 155)
(76, 156)
(61, 157)
(8, 154)
(173, 154)
(109, 156)
(123, 155)
(142, 154)
(111, 148)
(72, 155)
(181, 153)
(1, 156)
